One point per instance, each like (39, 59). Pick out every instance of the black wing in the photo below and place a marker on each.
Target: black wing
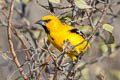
(78, 32)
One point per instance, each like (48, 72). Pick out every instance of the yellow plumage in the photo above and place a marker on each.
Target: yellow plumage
(57, 33)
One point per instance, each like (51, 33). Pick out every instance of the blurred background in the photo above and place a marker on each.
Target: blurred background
(101, 61)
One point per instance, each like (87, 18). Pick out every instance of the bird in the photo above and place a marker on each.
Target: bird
(58, 33)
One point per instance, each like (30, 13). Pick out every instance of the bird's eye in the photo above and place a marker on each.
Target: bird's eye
(48, 20)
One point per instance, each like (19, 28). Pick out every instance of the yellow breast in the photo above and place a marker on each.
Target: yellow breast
(57, 39)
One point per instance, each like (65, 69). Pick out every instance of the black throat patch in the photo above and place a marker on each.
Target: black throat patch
(46, 29)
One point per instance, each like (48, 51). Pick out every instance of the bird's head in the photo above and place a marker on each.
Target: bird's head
(49, 23)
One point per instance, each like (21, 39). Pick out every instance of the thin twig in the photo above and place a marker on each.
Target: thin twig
(43, 68)
(10, 42)
(90, 37)
(47, 7)
(50, 53)
(17, 35)
(6, 57)
(3, 14)
(23, 44)
(98, 22)
(12, 74)
(90, 20)
(96, 26)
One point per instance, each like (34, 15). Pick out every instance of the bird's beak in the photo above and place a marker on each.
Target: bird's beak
(43, 23)
(40, 22)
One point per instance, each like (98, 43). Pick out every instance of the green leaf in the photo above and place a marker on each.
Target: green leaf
(21, 36)
(95, 19)
(26, 2)
(36, 34)
(65, 18)
(111, 39)
(85, 29)
(103, 47)
(108, 27)
(55, 1)
(81, 4)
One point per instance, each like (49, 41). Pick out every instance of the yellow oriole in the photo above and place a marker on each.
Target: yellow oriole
(57, 33)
